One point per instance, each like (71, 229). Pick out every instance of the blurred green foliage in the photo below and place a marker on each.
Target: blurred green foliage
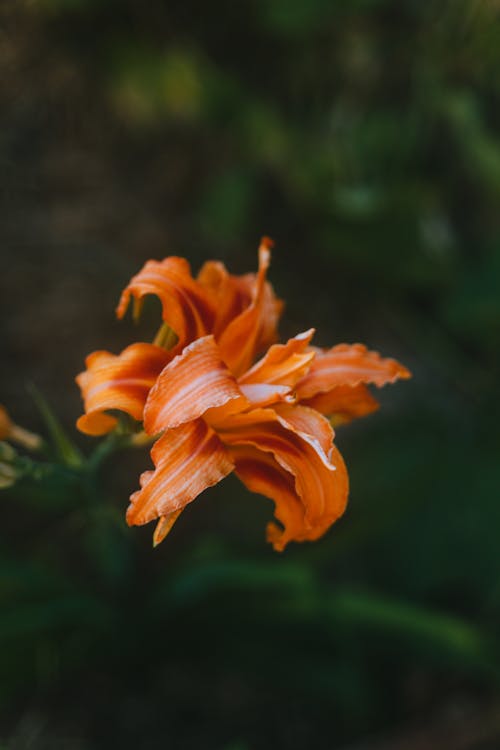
(363, 137)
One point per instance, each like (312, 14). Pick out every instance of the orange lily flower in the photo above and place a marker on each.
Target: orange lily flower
(217, 411)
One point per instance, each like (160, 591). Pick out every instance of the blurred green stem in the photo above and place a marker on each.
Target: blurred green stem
(114, 442)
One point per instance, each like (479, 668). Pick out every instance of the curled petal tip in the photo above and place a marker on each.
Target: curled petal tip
(267, 243)
(404, 373)
(265, 247)
(306, 335)
(122, 305)
(186, 307)
(274, 536)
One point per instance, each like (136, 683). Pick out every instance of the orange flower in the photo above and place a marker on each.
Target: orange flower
(242, 312)
(217, 411)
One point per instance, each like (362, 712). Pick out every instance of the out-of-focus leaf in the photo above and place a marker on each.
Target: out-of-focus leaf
(479, 148)
(62, 445)
(65, 6)
(8, 476)
(53, 614)
(193, 584)
(108, 545)
(148, 85)
(472, 306)
(227, 203)
(45, 487)
(20, 578)
(418, 626)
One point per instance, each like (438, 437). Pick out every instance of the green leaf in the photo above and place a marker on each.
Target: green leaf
(63, 446)
(445, 633)
(68, 611)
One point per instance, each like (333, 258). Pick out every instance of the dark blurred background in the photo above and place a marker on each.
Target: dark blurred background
(363, 136)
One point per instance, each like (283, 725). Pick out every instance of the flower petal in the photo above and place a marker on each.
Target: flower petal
(187, 460)
(255, 328)
(186, 307)
(261, 473)
(262, 394)
(271, 379)
(271, 310)
(309, 421)
(320, 483)
(348, 364)
(120, 382)
(283, 364)
(194, 382)
(230, 294)
(344, 403)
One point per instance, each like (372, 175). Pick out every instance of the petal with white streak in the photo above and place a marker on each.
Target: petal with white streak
(344, 403)
(283, 364)
(255, 328)
(348, 364)
(195, 381)
(186, 307)
(309, 421)
(261, 394)
(187, 460)
(320, 483)
(120, 382)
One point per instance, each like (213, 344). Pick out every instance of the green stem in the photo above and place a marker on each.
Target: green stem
(106, 448)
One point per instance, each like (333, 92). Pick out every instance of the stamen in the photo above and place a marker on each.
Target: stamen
(166, 337)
